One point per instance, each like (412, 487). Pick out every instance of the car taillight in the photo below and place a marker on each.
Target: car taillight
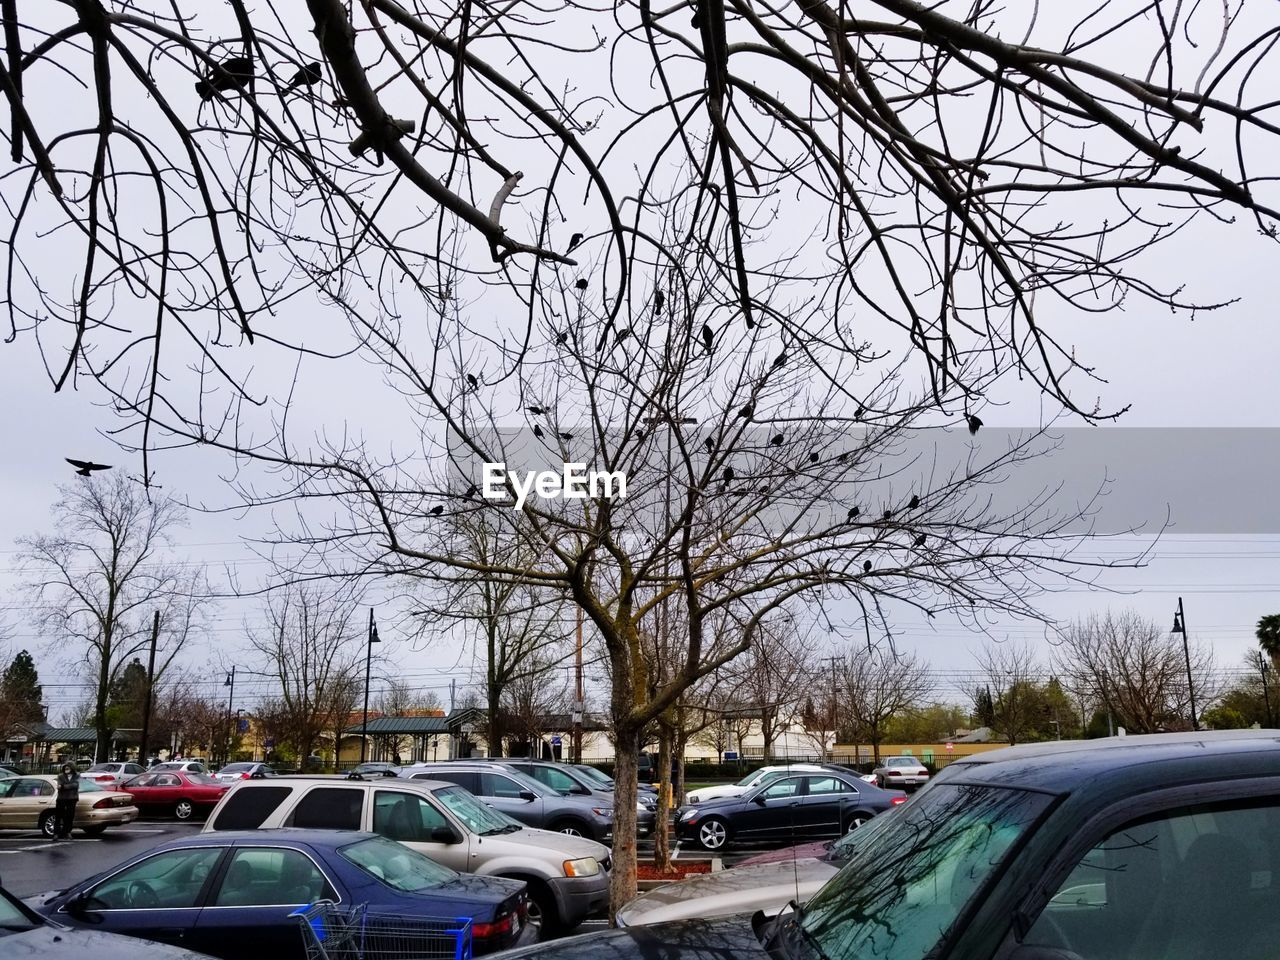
(104, 803)
(897, 800)
(487, 931)
(244, 776)
(103, 777)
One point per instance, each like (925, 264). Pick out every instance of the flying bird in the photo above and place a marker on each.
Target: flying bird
(852, 514)
(437, 510)
(85, 468)
(581, 283)
(308, 75)
(913, 502)
(777, 440)
(866, 566)
(974, 423)
(234, 73)
(574, 241)
(708, 338)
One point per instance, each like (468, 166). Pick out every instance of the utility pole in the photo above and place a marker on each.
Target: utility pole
(1264, 668)
(835, 690)
(151, 681)
(1180, 626)
(368, 665)
(578, 704)
(453, 740)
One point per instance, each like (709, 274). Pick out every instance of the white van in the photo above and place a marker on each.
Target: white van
(567, 877)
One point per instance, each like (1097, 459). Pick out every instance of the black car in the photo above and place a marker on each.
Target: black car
(24, 933)
(795, 807)
(1164, 846)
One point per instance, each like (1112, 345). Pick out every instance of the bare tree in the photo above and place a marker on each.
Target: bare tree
(1011, 671)
(772, 676)
(398, 699)
(530, 699)
(1135, 669)
(103, 573)
(311, 645)
(915, 146)
(877, 685)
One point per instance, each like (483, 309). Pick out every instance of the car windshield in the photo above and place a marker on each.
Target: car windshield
(89, 786)
(103, 768)
(396, 865)
(479, 817)
(599, 776)
(12, 919)
(912, 873)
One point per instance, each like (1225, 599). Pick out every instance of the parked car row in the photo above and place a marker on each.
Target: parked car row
(27, 803)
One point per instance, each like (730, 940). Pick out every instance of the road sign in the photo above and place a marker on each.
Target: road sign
(950, 747)
(555, 741)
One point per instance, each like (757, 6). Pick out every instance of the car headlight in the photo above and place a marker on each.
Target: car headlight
(641, 808)
(585, 867)
(689, 814)
(605, 813)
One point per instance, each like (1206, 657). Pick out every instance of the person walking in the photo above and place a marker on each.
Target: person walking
(68, 796)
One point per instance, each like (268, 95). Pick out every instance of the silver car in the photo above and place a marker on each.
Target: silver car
(904, 773)
(109, 776)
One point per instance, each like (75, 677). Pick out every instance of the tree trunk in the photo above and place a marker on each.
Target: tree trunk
(101, 730)
(661, 841)
(677, 787)
(622, 879)
(494, 729)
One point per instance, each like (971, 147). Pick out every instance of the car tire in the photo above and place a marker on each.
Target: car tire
(543, 912)
(573, 828)
(855, 820)
(94, 831)
(47, 825)
(184, 810)
(713, 834)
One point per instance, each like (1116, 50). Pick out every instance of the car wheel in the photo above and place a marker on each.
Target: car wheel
(855, 820)
(713, 833)
(47, 825)
(184, 809)
(571, 827)
(95, 831)
(543, 915)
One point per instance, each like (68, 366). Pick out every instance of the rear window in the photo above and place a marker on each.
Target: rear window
(466, 779)
(329, 808)
(248, 809)
(236, 767)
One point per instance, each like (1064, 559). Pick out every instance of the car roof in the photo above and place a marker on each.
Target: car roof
(1147, 760)
(319, 839)
(466, 763)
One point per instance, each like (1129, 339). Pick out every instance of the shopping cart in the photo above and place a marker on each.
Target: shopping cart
(331, 933)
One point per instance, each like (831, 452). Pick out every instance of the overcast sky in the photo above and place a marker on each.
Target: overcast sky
(1214, 372)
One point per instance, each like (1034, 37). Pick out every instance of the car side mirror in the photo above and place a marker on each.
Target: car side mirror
(758, 798)
(444, 835)
(528, 796)
(78, 904)
(580, 790)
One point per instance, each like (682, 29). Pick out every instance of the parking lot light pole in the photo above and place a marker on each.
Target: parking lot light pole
(1180, 626)
(229, 682)
(368, 664)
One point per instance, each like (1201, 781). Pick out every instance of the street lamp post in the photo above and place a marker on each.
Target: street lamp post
(1180, 626)
(368, 664)
(229, 682)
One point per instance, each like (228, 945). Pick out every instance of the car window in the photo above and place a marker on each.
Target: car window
(146, 780)
(496, 785)
(555, 779)
(171, 879)
(132, 769)
(466, 779)
(204, 779)
(167, 780)
(237, 768)
(1179, 885)
(31, 787)
(827, 785)
(783, 788)
(396, 865)
(91, 786)
(399, 815)
(329, 808)
(248, 809)
(479, 817)
(271, 876)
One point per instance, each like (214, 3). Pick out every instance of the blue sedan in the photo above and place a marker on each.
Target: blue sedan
(220, 893)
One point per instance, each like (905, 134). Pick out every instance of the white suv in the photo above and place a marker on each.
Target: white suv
(567, 877)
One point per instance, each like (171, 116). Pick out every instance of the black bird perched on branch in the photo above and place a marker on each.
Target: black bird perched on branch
(536, 410)
(919, 541)
(710, 444)
(537, 431)
(659, 298)
(852, 514)
(779, 361)
(623, 334)
(728, 474)
(574, 241)
(437, 510)
(471, 491)
(471, 379)
(308, 75)
(86, 467)
(581, 283)
(747, 411)
(814, 458)
(708, 338)
(866, 566)
(913, 502)
(234, 73)
(777, 439)
(566, 436)
(974, 423)
(888, 514)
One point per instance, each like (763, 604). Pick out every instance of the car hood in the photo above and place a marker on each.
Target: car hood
(768, 887)
(717, 793)
(802, 851)
(57, 942)
(573, 848)
(688, 940)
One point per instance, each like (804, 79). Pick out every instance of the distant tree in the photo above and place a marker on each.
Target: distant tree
(876, 686)
(1269, 638)
(1009, 670)
(20, 690)
(126, 697)
(99, 577)
(984, 708)
(398, 699)
(934, 723)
